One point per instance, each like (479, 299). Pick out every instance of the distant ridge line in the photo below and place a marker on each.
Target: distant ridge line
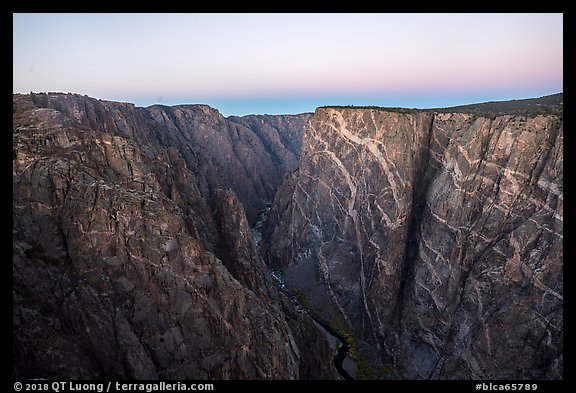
(545, 105)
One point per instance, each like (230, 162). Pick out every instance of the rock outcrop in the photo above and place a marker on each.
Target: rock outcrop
(436, 238)
(433, 239)
(237, 248)
(120, 267)
(248, 155)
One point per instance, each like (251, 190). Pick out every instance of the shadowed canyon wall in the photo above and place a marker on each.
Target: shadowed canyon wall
(123, 268)
(436, 238)
(432, 238)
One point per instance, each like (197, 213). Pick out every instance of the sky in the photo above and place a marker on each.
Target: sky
(290, 63)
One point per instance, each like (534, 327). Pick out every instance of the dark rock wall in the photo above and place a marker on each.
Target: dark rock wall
(247, 154)
(437, 238)
(115, 268)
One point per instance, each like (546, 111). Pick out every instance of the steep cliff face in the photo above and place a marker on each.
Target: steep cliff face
(281, 134)
(120, 267)
(247, 154)
(435, 237)
(237, 248)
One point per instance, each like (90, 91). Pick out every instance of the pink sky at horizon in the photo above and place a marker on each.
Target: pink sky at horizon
(204, 57)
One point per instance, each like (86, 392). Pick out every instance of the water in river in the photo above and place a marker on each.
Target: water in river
(345, 366)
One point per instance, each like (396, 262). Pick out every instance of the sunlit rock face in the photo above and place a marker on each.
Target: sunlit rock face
(435, 237)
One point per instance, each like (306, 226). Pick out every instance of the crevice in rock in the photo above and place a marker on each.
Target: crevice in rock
(422, 177)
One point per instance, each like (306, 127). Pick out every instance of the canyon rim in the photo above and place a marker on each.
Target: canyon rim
(432, 240)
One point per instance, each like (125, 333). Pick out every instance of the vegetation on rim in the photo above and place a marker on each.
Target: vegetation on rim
(531, 107)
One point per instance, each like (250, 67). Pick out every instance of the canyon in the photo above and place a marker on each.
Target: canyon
(429, 240)
(125, 265)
